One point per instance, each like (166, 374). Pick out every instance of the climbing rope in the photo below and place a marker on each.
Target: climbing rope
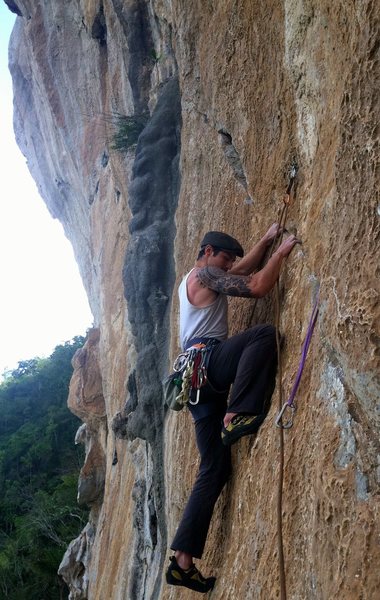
(280, 486)
(282, 407)
(276, 242)
(281, 228)
(280, 542)
(290, 402)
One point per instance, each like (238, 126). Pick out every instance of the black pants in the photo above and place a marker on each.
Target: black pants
(249, 361)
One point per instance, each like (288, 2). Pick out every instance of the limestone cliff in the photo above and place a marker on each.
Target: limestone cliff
(230, 92)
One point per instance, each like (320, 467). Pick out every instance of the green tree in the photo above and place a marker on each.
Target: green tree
(39, 468)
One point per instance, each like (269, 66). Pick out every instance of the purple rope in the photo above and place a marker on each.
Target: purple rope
(305, 349)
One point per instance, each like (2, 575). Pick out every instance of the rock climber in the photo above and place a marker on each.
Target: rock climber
(247, 360)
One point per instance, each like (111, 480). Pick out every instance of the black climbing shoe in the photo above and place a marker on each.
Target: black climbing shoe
(239, 426)
(190, 578)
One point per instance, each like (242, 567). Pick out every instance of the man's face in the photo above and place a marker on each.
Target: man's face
(223, 260)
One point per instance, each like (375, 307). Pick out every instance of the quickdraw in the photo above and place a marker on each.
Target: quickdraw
(290, 404)
(193, 366)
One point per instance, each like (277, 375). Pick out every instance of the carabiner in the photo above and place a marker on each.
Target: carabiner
(181, 361)
(197, 397)
(288, 423)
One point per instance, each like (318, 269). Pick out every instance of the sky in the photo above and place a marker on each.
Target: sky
(42, 299)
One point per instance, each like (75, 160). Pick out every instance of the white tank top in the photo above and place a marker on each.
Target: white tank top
(208, 321)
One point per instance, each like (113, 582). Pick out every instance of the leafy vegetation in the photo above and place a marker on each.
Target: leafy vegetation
(155, 57)
(39, 468)
(127, 130)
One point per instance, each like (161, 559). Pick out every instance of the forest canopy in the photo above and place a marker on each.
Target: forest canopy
(39, 468)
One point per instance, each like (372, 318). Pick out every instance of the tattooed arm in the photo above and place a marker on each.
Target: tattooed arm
(224, 283)
(247, 286)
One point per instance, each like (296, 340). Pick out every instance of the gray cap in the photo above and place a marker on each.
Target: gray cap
(221, 240)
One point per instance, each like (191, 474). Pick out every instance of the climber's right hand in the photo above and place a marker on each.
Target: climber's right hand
(287, 246)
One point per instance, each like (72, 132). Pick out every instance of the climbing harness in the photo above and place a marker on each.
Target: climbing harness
(190, 373)
(290, 404)
(194, 374)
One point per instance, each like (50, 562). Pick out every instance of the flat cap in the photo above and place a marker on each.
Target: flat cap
(223, 241)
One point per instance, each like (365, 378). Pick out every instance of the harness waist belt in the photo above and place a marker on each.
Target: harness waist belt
(201, 340)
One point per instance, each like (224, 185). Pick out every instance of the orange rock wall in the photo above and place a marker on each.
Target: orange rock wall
(261, 84)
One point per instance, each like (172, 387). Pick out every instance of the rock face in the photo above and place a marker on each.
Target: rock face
(86, 400)
(232, 93)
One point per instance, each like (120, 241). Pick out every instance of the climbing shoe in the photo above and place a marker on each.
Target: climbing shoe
(189, 578)
(239, 426)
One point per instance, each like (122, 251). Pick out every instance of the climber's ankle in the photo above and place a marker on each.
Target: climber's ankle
(183, 559)
(228, 418)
